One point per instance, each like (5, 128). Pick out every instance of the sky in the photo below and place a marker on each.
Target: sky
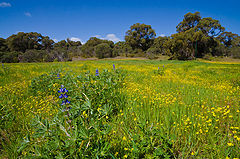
(108, 19)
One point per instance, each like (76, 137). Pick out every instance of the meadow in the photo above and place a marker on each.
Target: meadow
(125, 108)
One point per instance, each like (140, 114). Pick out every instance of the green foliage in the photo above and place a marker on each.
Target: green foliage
(3, 45)
(196, 37)
(143, 112)
(122, 49)
(103, 50)
(152, 53)
(9, 57)
(79, 129)
(88, 49)
(161, 45)
(35, 56)
(140, 36)
(21, 41)
(190, 20)
(160, 71)
(151, 142)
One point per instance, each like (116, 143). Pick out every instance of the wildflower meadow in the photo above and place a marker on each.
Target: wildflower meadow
(122, 108)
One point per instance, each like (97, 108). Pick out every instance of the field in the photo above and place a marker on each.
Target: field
(125, 108)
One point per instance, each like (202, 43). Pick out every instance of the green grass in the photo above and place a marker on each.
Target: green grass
(184, 109)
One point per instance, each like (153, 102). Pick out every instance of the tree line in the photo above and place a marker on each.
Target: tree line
(196, 37)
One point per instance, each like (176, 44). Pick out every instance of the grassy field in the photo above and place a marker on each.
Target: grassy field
(139, 109)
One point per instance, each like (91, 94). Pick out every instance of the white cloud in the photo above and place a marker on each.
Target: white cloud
(5, 4)
(76, 39)
(55, 40)
(28, 14)
(162, 35)
(111, 37)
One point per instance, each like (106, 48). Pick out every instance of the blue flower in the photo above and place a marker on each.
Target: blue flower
(65, 90)
(61, 96)
(58, 76)
(97, 72)
(65, 102)
(114, 67)
(65, 95)
(61, 90)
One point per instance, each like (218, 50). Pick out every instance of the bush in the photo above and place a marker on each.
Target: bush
(151, 53)
(208, 57)
(122, 49)
(103, 50)
(9, 57)
(235, 52)
(33, 56)
(81, 127)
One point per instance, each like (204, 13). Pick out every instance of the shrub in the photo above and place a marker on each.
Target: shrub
(151, 53)
(103, 50)
(10, 57)
(81, 126)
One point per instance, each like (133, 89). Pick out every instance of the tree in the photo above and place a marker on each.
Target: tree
(160, 46)
(62, 44)
(140, 36)
(9, 57)
(227, 38)
(3, 45)
(210, 27)
(34, 56)
(103, 50)
(47, 43)
(21, 42)
(73, 43)
(88, 49)
(190, 21)
(235, 49)
(196, 37)
(121, 48)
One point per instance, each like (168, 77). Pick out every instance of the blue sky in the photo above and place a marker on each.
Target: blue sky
(108, 19)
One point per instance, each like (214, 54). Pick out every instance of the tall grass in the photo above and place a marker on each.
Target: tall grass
(139, 109)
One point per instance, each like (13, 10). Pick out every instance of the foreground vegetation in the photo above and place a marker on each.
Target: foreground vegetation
(120, 109)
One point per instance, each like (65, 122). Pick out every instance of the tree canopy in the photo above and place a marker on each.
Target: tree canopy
(140, 36)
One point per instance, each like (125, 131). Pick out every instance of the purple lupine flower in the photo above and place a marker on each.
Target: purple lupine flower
(65, 102)
(61, 90)
(58, 76)
(65, 90)
(97, 72)
(163, 66)
(114, 67)
(65, 95)
(61, 96)
(158, 67)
